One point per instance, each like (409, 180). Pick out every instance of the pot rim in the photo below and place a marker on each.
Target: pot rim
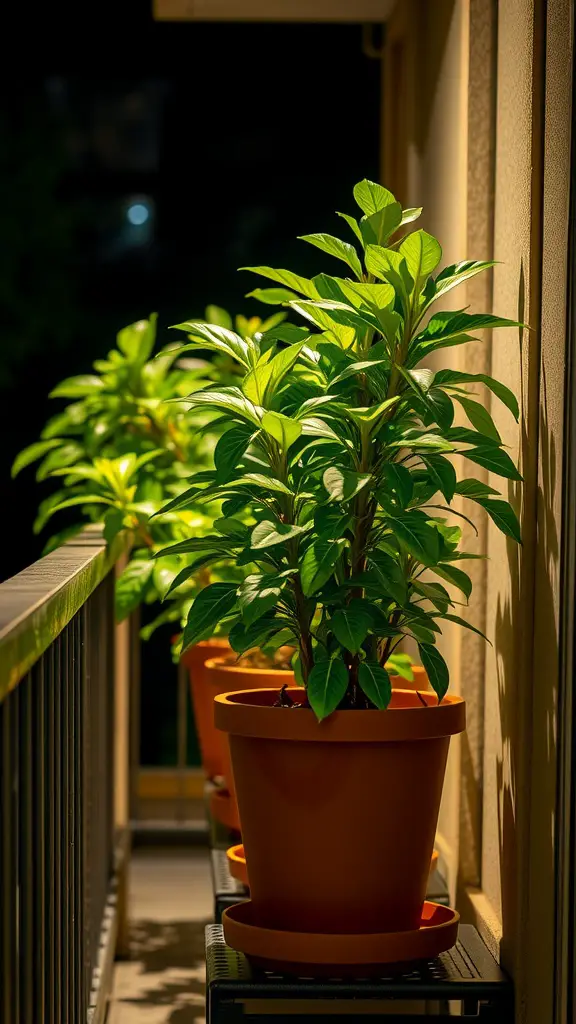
(251, 713)
(218, 665)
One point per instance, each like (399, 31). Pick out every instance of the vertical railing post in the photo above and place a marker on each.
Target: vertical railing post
(122, 657)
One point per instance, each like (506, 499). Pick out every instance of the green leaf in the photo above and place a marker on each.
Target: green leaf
(257, 595)
(343, 484)
(78, 387)
(79, 499)
(286, 278)
(216, 339)
(189, 570)
(507, 397)
(457, 274)
(131, 586)
(217, 315)
(467, 625)
(113, 524)
(272, 296)
(335, 247)
(503, 515)
(230, 400)
(318, 563)
(453, 575)
(375, 682)
(350, 627)
(268, 482)
(416, 536)
(397, 482)
(390, 575)
(244, 638)
(400, 665)
(283, 429)
(327, 684)
(378, 227)
(372, 197)
(267, 534)
(33, 452)
(433, 592)
(137, 340)
(443, 474)
(229, 451)
(472, 488)
(422, 253)
(494, 459)
(209, 608)
(352, 223)
(411, 214)
(261, 384)
(436, 668)
(480, 418)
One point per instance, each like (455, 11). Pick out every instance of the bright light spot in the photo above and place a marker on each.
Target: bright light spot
(138, 214)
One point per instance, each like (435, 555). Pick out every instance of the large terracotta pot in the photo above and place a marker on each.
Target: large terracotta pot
(221, 677)
(209, 739)
(338, 818)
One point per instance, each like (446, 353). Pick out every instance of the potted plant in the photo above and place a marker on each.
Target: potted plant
(340, 446)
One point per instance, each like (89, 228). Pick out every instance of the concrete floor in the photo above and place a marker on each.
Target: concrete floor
(171, 902)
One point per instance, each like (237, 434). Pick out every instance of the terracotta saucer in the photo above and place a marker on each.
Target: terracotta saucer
(238, 870)
(237, 863)
(224, 809)
(362, 955)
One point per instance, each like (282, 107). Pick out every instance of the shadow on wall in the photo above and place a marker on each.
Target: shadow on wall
(526, 625)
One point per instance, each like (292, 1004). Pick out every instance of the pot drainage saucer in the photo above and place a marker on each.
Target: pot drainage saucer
(237, 863)
(331, 955)
(224, 809)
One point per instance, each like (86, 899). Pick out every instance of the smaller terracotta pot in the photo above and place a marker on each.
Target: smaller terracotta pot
(221, 677)
(209, 739)
(239, 871)
(420, 681)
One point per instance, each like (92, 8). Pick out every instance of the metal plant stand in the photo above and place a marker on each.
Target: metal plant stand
(465, 982)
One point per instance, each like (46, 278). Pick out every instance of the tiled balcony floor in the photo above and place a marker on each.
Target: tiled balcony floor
(171, 901)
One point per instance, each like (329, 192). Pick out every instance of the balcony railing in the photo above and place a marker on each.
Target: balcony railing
(63, 785)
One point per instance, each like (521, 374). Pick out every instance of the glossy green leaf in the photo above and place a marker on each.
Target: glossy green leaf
(503, 515)
(479, 417)
(436, 668)
(422, 253)
(217, 315)
(229, 451)
(267, 534)
(272, 296)
(452, 574)
(494, 459)
(209, 608)
(319, 561)
(336, 247)
(343, 484)
(375, 683)
(283, 429)
(327, 684)
(352, 223)
(34, 452)
(474, 489)
(350, 626)
(258, 594)
(456, 377)
(458, 273)
(372, 197)
(137, 340)
(416, 536)
(286, 278)
(78, 387)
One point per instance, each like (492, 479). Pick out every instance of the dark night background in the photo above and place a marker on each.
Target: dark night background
(236, 138)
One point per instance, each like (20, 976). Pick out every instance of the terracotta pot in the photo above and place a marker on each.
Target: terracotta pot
(420, 681)
(352, 804)
(223, 678)
(209, 739)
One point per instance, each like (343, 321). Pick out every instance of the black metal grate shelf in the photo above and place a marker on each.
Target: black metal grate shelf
(467, 975)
